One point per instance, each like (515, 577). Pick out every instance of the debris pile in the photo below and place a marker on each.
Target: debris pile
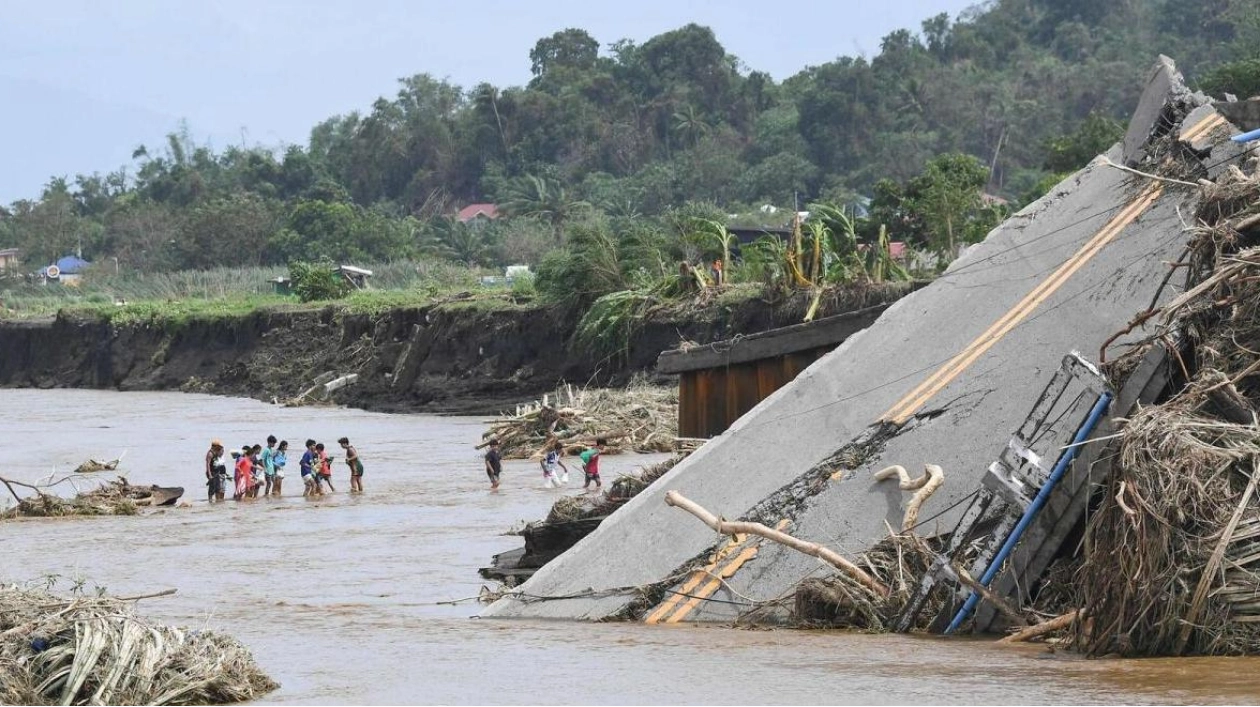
(641, 417)
(92, 466)
(115, 498)
(96, 650)
(1172, 552)
(838, 601)
(621, 490)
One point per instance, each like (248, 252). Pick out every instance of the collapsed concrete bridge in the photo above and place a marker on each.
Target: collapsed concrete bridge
(944, 376)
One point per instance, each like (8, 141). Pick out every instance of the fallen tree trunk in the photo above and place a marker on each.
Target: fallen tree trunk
(1041, 629)
(673, 498)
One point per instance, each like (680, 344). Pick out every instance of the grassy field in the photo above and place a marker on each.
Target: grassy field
(229, 292)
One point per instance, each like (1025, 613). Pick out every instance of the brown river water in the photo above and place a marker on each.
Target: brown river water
(339, 598)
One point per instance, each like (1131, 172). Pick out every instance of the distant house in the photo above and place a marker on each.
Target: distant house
(66, 270)
(356, 277)
(473, 212)
(10, 259)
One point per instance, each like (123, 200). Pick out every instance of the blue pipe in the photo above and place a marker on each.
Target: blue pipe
(1247, 137)
(1038, 502)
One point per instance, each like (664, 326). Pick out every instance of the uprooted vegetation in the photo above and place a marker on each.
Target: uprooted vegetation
(112, 498)
(641, 417)
(97, 650)
(1171, 553)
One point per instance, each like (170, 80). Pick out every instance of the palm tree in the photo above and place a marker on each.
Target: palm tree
(448, 238)
(689, 123)
(543, 199)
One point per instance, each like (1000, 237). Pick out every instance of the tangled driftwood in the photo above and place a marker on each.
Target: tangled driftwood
(118, 497)
(641, 417)
(91, 466)
(1172, 554)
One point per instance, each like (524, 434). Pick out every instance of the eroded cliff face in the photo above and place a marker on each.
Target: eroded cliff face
(440, 358)
(459, 356)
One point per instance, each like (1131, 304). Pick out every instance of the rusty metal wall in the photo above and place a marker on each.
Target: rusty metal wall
(709, 400)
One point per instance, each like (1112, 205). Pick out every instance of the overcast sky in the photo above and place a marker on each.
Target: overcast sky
(82, 83)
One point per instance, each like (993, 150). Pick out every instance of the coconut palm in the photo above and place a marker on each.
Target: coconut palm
(543, 199)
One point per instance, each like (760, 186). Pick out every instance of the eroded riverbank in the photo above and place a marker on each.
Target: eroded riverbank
(465, 355)
(338, 598)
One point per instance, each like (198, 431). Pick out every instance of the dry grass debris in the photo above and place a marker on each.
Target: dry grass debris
(96, 650)
(1172, 553)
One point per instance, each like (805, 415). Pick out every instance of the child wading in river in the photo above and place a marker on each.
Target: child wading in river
(550, 466)
(278, 460)
(355, 464)
(308, 465)
(244, 473)
(494, 464)
(325, 467)
(216, 471)
(590, 464)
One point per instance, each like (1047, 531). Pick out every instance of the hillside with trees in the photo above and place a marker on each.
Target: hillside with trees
(623, 141)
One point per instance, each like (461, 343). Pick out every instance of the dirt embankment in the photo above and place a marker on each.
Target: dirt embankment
(451, 357)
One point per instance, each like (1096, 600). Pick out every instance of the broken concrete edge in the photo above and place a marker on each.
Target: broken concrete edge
(1164, 87)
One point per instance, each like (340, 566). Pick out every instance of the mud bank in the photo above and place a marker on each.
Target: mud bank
(471, 356)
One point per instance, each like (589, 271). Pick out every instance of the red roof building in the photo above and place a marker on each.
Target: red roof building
(473, 211)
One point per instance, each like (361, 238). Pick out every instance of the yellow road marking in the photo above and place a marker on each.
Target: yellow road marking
(1202, 127)
(696, 577)
(726, 572)
(912, 401)
(747, 554)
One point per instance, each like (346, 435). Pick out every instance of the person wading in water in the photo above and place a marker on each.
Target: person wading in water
(216, 472)
(355, 464)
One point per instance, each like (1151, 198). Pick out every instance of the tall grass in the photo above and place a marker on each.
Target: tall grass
(218, 289)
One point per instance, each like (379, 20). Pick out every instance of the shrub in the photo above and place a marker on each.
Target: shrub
(317, 281)
(523, 286)
(1241, 78)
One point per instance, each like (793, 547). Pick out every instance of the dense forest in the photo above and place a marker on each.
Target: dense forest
(624, 137)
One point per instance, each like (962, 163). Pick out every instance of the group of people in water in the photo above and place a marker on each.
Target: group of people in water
(555, 473)
(260, 470)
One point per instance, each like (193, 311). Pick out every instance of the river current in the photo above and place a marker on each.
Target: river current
(340, 598)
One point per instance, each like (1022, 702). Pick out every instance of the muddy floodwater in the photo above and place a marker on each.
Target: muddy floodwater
(339, 598)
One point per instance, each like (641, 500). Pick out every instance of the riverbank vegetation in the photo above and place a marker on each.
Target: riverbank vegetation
(615, 163)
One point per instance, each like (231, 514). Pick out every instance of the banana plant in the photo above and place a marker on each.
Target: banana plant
(717, 234)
